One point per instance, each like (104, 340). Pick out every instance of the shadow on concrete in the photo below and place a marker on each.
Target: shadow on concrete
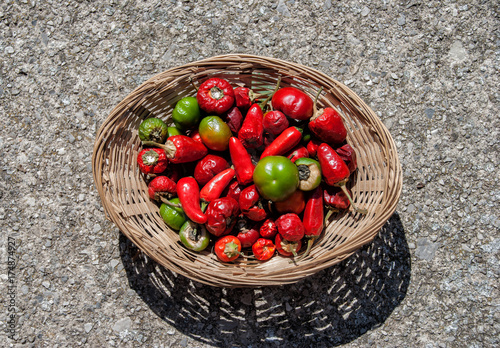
(333, 307)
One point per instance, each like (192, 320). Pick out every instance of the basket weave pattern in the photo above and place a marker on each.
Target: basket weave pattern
(123, 191)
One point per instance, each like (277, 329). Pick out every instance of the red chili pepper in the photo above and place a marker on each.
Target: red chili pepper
(286, 247)
(290, 227)
(161, 187)
(222, 214)
(188, 192)
(208, 167)
(181, 149)
(335, 171)
(152, 161)
(233, 190)
(284, 142)
(252, 130)
(247, 233)
(293, 102)
(313, 218)
(263, 249)
(234, 119)
(228, 248)
(251, 204)
(213, 189)
(335, 198)
(195, 135)
(215, 95)
(268, 229)
(244, 97)
(312, 147)
(348, 155)
(297, 152)
(328, 126)
(242, 161)
(275, 122)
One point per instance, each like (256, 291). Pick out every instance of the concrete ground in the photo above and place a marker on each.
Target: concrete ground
(429, 69)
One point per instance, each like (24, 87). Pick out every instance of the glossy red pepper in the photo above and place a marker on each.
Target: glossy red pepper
(312, 147)
(214, 188)
(244, 97)
(222, 214)
(348, 155)
(252, 131)
(275, 122)
(152, 161)
(195, 135)
(251, 204)
(284, 142)
(293, 102)
(227, 248)
(268, 229)
(161, 187)
(313, 218)
(297, 152)
(234, 119)
(242, 161)
(290, 227)
(188, 192)
(215, 95)
(263, 249)
(208, 167)
(328, 126)
(181, 149)
(247, 232)
(286, 247)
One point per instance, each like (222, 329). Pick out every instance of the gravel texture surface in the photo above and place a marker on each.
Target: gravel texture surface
(429, 69)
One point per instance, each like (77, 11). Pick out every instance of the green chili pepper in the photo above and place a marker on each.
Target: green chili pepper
(194, 236)
(174, 131)
(173, 217)
(186, 113)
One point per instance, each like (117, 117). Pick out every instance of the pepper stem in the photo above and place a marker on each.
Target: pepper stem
(359, 210)
(167, 202)
(264, 103)
(315, 106)
(308, 249)
(327, 216)
(192, 82)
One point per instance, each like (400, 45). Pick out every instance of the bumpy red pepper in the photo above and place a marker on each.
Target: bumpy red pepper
(242, 161)
(335, 171)
(275, 122)
(161, 187)
(297, 152)
(263, 249)
(293, 102)
(233, 190)
(268, 229)
(244, 97)
(348, 155)
(284, 142)
(222, 214)
(328, 126)
(234, 119)
(214, 188)
(181, 149)
(251, 133)
(247, 232)
(188, 192)
(313, 218)
(152, 161)
(215, 95)
(335, 198)
(286, 247)
(208, 167)
(290, 227)
(251, 204)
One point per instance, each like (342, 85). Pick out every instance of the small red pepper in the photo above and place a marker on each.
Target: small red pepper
(214, 188)
(222, 214)
(328, 126)
(284, 142)
(312, 147)
(275, 122)
(293, 102)
(188, 192)
(348, 155)
(244, 97)
(234, 119)
(251, 204)
(252, 131)
(152, 161)
(228, 248)
(208, 167)
(313, 218)
(263, 249)
(335, 198)
(268, 229)
(290, 227)
(297, 152)
(242, 161)
(233, 190)
(286, 247)
(195, 135)
(247, 233)
(161, 187)
(181, 149)
(335, 171)
(215, 95)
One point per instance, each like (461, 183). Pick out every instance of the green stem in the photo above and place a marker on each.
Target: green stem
(359, 210)
(264, 103)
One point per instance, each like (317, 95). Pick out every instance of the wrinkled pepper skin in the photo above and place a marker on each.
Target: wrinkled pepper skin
(208, 167)
(233, 190)
(214, 188)
(244, 97)
(263, 249)
(285, 247)
(335, 198)
(242, 161)
(328, 127)
(293, 102)
(215, 95)
(333, 168)
(348, 155)
(234, 119)
(251, 133)
(247, 232)
(250, 204)
(222, 214)
(275, 122)
(290, 227)
(268, 229)
(161, 186)
(188, 192)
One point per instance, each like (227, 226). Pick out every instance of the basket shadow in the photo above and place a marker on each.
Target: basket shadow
(332, 307)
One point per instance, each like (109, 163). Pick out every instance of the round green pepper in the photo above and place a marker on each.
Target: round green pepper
(194, 236)
(309, 173)
(153, 129)
(173, 217)
(186, 113)
(276, 178)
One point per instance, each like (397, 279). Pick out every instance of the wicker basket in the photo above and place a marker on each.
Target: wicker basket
(376, 186)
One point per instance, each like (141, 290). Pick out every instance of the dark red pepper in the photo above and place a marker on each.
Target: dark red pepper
(290, 227)
(297, 152)
(222, 214)
(313, 218)
(293, 102)
(251, 204)
(152, 161)
(312, 147)
(208, 167)
(335, 198)
(161, 187)
(284, 142)
(215, 95)
(268, 229)
(234, 119)
(242, 161)
(181, 149)
(188, 192)
(214, 188)
(348, 155)
(244, 97)
(247, 232)
(233, 190)
(328, 126)
(252, 130)
(275, 122)
(286, 247)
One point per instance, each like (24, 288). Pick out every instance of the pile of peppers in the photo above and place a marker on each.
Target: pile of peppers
(251, 175)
